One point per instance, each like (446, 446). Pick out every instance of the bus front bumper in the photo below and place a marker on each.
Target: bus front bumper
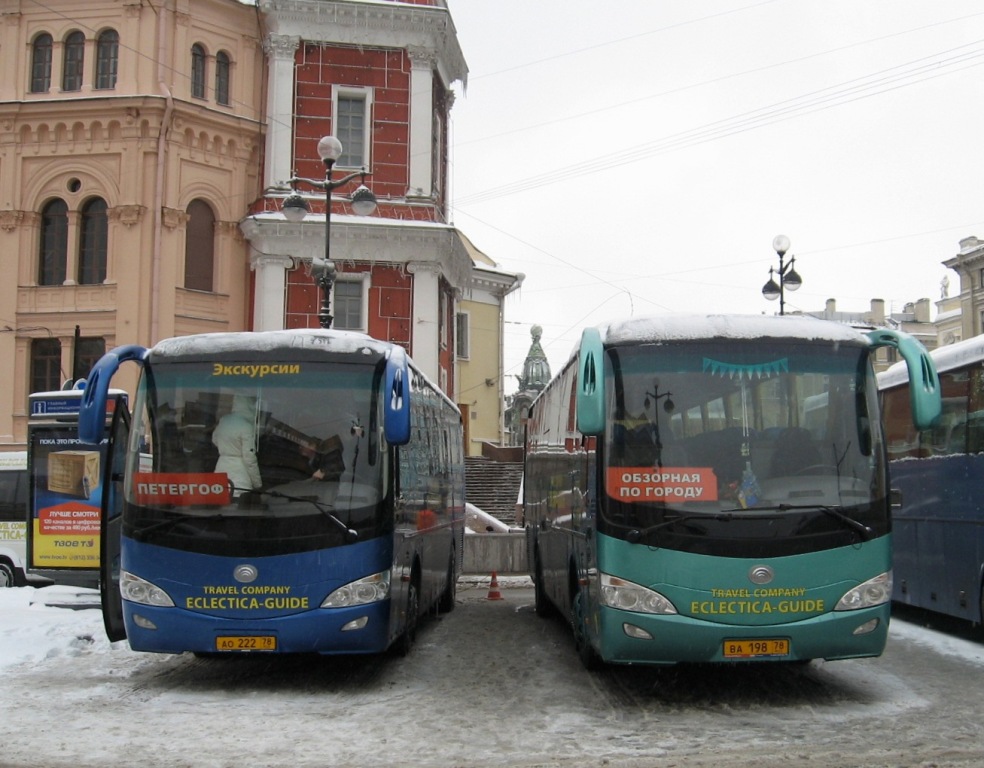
(625, 637)
(359, 629)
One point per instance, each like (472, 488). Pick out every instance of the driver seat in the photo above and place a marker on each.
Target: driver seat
(794, 451)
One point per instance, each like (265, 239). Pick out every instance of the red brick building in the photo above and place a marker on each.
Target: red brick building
(379, 77)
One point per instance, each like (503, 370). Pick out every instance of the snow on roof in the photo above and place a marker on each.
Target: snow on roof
(946, 359)
(266, 341)
(692, 327)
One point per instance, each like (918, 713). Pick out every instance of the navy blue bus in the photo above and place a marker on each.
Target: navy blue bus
(939, 528)
(288, 491)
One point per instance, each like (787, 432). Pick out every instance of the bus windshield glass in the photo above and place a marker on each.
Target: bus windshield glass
(743, 439)
(244, 465)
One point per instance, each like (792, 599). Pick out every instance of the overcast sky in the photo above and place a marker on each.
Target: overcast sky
(639, 156)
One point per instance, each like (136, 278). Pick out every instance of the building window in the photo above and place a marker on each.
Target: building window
(351, 109)
(45, 365)
(462, 341)
(93, 243)
(347, 305)
(41, 64)
(199, 247)
(197, 71)
(87, 354)
(73, 60)
(107, 59)
(53, 252)
(222, 64)
(437, 141)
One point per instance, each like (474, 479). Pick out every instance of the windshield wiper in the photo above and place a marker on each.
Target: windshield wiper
(867, 532)
(140, 534)
(351, 535)
(635, 534)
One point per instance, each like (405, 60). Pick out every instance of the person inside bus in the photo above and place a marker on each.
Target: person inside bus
(235, 439)
(328, 462)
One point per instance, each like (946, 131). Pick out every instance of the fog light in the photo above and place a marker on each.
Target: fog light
(143, 622)
(358, 623)
(864, 629)
(637, 632)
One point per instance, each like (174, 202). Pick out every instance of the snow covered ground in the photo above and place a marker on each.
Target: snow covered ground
(489, 685)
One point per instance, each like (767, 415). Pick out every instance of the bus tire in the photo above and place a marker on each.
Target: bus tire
(445, 603)
(541, 604)
(589, 658)
(409, 635)
(8, 577)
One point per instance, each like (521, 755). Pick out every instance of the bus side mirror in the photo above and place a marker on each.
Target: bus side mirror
(92, 410)
(924, 381)
(591, 384)
(396, 398)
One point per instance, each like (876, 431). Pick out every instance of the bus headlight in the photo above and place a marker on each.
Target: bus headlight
(873, 592)
(138, 590)
(370, 589)
(627, 596)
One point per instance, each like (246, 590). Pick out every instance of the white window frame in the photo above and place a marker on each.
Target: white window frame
(354, 277)
(364, 95)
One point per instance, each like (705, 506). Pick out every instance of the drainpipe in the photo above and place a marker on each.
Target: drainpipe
(155, 288)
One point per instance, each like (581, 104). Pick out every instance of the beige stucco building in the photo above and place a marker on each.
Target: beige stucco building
(139, 144)
(127, 129)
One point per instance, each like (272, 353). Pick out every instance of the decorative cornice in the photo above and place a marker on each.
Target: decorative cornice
(173, 218)
(281, 46)
(385, 25)
(127, 215)
(10, 220)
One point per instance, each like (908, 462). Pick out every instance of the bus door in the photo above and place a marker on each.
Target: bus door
(110, 526)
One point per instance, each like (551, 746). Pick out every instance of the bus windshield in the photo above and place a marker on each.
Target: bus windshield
(244, 465)
(743, 439)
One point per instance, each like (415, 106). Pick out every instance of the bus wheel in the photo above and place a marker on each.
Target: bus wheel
(7, 578)
(445, 603)
(583, 647)
(412, 615)
(540, 602)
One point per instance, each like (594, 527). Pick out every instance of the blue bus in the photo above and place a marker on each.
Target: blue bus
(715, 489)
(939, 528)
(286, 491)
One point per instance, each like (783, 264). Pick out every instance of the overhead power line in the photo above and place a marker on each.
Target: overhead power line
(876, 83)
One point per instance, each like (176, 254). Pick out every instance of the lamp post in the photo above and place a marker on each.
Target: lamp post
(295, 208)
(788, 276)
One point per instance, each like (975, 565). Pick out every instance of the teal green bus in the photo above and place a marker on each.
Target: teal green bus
(715, 489)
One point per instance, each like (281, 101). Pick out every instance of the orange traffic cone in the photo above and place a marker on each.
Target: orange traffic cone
(494, 593)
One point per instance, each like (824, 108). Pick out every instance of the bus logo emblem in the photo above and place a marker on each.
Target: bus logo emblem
(245, 574)
(761, 574)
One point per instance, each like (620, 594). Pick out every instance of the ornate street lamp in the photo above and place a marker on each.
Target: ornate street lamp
(295, 208)
(788, 276)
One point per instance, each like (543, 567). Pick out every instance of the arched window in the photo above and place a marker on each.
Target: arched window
(199, 246)
(107, 58)
(72, 62)
(88, 350)
(41, 64)
(197, 71)
(93, 243)
(222, 78)
(54, 243)
(45, 365)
